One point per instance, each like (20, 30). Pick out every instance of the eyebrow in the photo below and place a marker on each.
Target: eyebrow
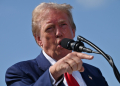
(61, 21)
(48, 25)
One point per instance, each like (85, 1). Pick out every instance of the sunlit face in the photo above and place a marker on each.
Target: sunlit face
(54, 28)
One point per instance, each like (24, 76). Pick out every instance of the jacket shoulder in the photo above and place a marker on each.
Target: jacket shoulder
(91, 68)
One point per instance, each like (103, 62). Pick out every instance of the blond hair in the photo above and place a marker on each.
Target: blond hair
(41, 8)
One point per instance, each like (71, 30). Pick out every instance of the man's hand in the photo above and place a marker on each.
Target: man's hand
(71, 62)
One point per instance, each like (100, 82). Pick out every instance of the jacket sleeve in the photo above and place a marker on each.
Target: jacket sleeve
(17, 77)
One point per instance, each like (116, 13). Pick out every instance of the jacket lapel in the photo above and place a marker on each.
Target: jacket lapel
(42, 62)
(88, 78)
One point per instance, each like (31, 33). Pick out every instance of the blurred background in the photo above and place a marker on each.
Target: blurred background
(96, 20)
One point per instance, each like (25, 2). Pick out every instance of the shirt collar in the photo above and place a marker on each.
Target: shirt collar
(51, 60)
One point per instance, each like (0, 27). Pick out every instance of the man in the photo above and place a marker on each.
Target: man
(51, 23)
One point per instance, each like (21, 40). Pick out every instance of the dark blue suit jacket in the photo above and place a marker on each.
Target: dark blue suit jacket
(36, 73)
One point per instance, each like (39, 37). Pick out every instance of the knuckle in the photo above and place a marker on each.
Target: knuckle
(65, 68)
(73, 64)
(70, 55)
(79, 62)
(81, 54)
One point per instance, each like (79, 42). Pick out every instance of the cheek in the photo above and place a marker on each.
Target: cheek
(46, 36)
(73, 35)
(69, 33)
(48, 40)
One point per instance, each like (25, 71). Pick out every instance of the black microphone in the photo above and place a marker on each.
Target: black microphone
(78, 46)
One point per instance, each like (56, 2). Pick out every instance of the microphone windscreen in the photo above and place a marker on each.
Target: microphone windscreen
(65, 43)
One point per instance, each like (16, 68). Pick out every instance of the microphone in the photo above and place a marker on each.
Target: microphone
(74, 45)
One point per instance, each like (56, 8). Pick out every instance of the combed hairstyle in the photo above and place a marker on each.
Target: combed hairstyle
(41, 8)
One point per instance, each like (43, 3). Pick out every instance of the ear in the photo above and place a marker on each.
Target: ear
(38, 40)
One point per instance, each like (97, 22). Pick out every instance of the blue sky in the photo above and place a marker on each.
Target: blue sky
(96, 20)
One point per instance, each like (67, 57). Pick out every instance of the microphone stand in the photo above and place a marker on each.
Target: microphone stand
(107, 57)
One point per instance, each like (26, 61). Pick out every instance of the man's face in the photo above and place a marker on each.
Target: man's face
(54, 27)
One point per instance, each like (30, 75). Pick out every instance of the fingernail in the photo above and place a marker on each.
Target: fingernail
(91, 56)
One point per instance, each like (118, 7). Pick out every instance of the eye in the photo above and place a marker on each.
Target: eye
(64, 24)
(50, 29)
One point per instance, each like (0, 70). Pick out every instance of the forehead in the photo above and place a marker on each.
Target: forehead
(54, 16)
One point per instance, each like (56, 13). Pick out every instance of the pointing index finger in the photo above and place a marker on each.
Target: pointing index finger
(84, 56)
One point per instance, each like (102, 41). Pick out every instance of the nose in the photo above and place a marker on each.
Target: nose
(59, 32)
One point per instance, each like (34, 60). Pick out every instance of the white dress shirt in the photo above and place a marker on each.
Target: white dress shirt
(75, 74)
